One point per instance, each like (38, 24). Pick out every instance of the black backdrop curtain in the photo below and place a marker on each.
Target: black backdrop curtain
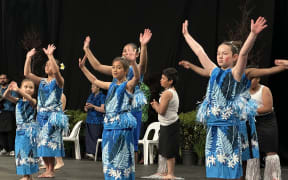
(112, 24)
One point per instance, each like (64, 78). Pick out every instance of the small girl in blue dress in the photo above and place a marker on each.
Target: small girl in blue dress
(94, 122)
(224, 104)
(26, 132)
(50, 116)
(117, 138)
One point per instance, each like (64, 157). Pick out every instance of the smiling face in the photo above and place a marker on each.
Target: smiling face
(225, 57)
(118, 70)
(28, 87)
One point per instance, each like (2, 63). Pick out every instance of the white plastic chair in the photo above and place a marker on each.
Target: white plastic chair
(148, 145)
(97, 146)
(74, 137)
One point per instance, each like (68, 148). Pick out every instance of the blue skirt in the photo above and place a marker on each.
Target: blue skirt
(118, 154)
(223, 152)
(50, 142)
(25, 152)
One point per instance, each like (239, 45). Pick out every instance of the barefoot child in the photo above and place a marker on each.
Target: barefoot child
(25, 142)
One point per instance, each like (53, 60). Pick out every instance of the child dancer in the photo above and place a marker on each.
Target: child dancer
(117, 138)
(266, 125)
(25, 142)
(94, 121)
(167, 110)
(139, 98)
(223, 105)
(50, 116)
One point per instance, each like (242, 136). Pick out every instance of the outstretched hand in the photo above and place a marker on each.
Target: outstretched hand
(13, 86)
(31, 53)
(82, 62)
(50, 49)
(281, 62)
(185, 28)
(86, 43)
(185, 64)
(145, 37)
(259, 25)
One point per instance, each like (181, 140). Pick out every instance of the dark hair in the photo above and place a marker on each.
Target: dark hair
(30, 80)
(171, 74)
(123, 61)
(234, 45)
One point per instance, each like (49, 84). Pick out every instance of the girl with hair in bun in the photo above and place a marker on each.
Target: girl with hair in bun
(117, 138)
(50, 116)
(139, 99)
(223, 107)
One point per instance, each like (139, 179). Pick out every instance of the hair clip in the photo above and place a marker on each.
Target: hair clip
(62, 66)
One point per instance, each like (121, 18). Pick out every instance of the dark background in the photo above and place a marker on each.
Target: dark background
(112, 23)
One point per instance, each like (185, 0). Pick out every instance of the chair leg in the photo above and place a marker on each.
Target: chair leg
(145, 148)
(96, 151)
(151, 158)
(77, 150)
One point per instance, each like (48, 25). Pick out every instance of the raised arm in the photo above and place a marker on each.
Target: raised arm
(282, 62)
(55, 68)
(7, 94)
(27, 67)
(90, 76)
(144, 40)
(131, 57)
(259, 72)
(241, 63)
(197, 69)
(93, 60)
(197, 49)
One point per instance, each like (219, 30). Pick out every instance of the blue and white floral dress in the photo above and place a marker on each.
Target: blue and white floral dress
(117, 138)
(222, 110)
(25, 141)
(51, 120)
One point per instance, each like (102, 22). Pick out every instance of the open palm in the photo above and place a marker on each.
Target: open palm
(145, 37)
(50, 49)
(259, 25)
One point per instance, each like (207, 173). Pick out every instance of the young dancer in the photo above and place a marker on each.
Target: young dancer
(167, 110)
(139, 98)
(117, 138)
(267, 130)
(50, 116)
(94, 121)
(222, 108)
(25, 142)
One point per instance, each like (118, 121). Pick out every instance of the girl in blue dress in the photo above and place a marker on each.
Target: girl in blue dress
(139, 99)
(117, 138)
(94, 121)
(223, 107)
(26, 132)
(249, 141)
(50, 116)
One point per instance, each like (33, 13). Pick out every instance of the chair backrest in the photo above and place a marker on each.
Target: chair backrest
(76, 129)
(153, 126)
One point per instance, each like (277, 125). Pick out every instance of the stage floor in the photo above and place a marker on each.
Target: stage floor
(90, 170)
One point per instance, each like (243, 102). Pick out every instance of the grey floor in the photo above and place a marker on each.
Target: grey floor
(88, 170)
